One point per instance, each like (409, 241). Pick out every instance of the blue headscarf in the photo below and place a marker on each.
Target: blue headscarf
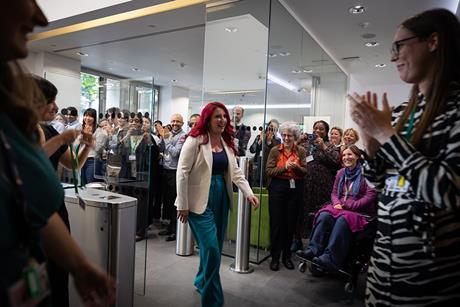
(351, 175)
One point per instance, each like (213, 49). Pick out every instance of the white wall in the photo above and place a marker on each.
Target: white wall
(63, 72)
(331, 98)
(173, 99)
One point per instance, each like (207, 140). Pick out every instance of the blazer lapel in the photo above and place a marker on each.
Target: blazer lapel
(207, 153)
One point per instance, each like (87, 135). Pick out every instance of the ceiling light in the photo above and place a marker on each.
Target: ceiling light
(281, 82)
(135, 69)
(371, 44)
(82, 53)
(308, 70)
(174, 80)
(215, 3)
(364, 24)
(357, 9)
(231, 29)
(284, 53)
(380, 65)
(272, 55)
(296, 71)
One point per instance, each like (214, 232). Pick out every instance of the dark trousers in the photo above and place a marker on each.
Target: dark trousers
(330, 240)
(169, 197)
(58, 276)
(87, 171)
(156, 187)
(283, 205)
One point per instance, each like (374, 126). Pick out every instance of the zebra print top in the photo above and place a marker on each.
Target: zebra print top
(416, 256)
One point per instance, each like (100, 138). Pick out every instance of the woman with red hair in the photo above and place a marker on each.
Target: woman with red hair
(206, 170)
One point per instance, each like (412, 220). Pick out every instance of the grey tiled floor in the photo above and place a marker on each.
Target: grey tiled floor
(169, 282)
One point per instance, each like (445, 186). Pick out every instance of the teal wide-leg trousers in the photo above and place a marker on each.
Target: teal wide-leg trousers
(209, 229)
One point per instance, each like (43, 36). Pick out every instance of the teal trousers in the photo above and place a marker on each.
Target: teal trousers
(209, 229)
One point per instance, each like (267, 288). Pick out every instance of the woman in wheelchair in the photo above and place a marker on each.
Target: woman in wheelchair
(352, 202)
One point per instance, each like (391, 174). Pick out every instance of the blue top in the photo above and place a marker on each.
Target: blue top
(219, 162)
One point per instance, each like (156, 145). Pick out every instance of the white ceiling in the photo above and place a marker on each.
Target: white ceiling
(340, 34)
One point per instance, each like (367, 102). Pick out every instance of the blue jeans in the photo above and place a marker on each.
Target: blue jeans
(330, 240)
(87, 171)
(209, 229)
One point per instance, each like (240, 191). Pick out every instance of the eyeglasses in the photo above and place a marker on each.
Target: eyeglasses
(176, 122)
(287, 135)
(396, 46)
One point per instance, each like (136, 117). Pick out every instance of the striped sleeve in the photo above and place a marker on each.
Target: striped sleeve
(433, 181)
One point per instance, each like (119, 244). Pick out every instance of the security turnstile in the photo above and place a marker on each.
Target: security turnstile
(105, 229)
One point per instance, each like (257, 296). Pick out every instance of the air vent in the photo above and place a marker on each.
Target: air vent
(351, 58)
(368, 35)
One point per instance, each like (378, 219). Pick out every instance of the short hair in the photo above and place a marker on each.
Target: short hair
(292, 127)
(338, 129)
(194, 115)
(47, 88)
(72, 111)
(158, 122)
(352, 130)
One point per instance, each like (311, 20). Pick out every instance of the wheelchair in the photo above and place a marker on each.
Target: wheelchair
(356, 263)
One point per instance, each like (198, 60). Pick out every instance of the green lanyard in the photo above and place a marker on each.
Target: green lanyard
(74, 163)
(410, 127)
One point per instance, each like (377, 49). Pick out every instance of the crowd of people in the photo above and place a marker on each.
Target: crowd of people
(320, 185)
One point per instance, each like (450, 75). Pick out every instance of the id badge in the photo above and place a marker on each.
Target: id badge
(32, 288)
(132, 157)
(292, 183)
(310, 158)
(397, 183)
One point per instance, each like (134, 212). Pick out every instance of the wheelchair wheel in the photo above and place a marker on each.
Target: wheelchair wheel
(302, 267)
(349, 287)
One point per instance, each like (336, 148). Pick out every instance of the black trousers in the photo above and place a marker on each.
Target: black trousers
(283, 205)
(59, 277)
(169, 197)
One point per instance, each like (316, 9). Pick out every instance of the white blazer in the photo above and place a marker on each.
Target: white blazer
(194, 171)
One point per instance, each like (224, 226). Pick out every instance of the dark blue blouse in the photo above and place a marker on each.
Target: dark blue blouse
(219, 162)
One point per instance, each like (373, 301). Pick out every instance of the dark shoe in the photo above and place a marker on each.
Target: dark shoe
(296, 245)
(165, 233)
(171, 238)
(305, 254)
(288, 264)
(275, 265)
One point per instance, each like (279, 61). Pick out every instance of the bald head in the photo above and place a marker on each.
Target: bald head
(176, 122)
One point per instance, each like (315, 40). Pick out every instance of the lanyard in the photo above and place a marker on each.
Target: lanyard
(18, 205)
(74, 163)
(410, 126)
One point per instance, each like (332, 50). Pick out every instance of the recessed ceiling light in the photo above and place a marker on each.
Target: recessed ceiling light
(231, 29)
(296, 71)
(364, 24)
(82, 53)
(308, 70)
(135, 69)
(272, 55)
(174, 80)
(357, 9)
(371, 44)
(380, 65)
(284, 53)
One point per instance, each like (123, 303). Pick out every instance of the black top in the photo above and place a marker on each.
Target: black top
(50, 132)
(219, 162)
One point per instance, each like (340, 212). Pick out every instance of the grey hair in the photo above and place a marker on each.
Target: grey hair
(292, 127)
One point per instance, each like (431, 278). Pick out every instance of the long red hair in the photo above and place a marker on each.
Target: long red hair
(202, 126)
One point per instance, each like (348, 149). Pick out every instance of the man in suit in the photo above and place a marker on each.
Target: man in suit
(242, 132)
(171, 145)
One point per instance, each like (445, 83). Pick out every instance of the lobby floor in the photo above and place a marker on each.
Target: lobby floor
(169, 282)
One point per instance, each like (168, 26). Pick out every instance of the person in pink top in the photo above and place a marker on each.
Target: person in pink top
(352, 202)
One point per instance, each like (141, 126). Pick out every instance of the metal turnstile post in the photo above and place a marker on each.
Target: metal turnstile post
(243, 229)
(184, 240)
